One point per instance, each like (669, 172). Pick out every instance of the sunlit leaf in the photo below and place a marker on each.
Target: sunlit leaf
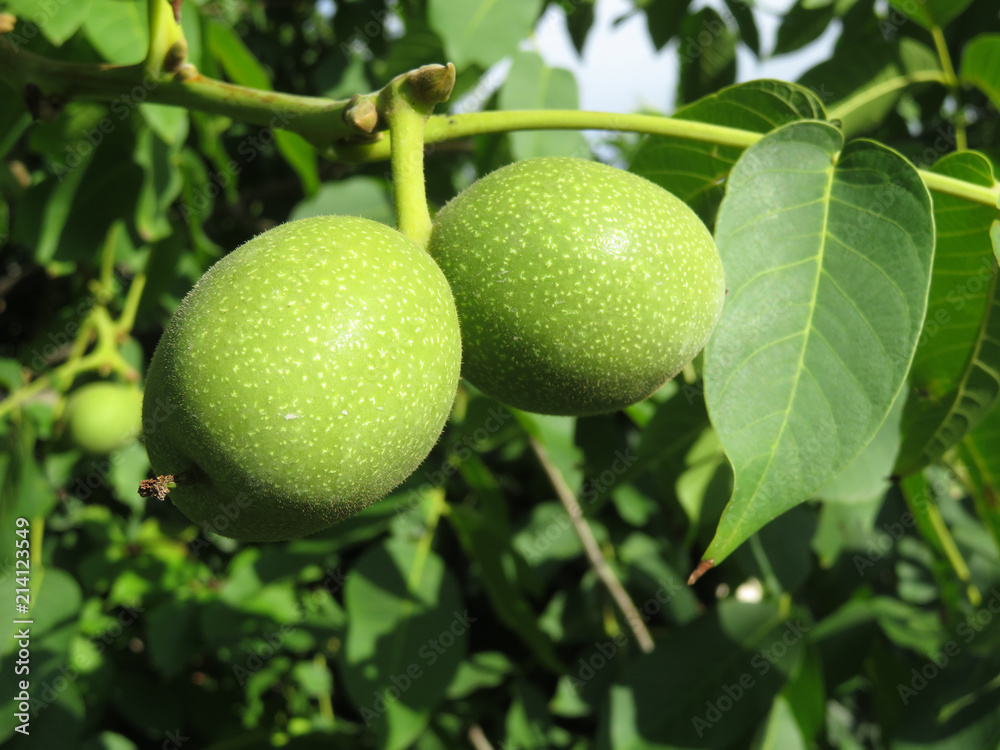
(827, 250)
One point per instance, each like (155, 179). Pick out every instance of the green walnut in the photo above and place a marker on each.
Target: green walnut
(580, 288)
(101, 417)
(304, 376)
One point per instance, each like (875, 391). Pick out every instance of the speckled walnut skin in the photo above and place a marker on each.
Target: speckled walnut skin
(306, 374)
(580, 288)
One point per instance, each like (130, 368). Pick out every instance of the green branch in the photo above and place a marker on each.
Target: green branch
(347, 130)
(320, 121)
(441, 128)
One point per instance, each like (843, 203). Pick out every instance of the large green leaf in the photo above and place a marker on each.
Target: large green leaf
(827, 250)
(862, 81)
(531, 84)
(981, 65)
(955, 378)
(482, 31)
(406, 635)
(696, 172)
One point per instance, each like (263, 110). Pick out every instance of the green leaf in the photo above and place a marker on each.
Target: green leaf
(805, 691)
(707, 684)
(863, 81)
(406, 636)
(951, 715)
(314, 678)
(301, 156)
(243, 68)
(868, 476)
(528, 720)
(663, 19)
(579, 22)
(548, 535)
(168, 122)
(118, 30)
(416, 47)
(161, 184)
(57, 26)
(696, 172)
(191, 26)
(558, 436)
(707, 53)
(928, 13)
(803, 24)
(980, 453)
(75, 208)
(981, 65)
(482, 31)
(955, 377)
(531, 84)
(129, 466)
(55, 603)
(827, 250)
(236, 59)
(109, 741)
(172, 633)
(780, 731)
(484, 669)
(354, 196)
(742, 13)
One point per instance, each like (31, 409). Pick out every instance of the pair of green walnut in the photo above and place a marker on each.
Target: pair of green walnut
(311, 370)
